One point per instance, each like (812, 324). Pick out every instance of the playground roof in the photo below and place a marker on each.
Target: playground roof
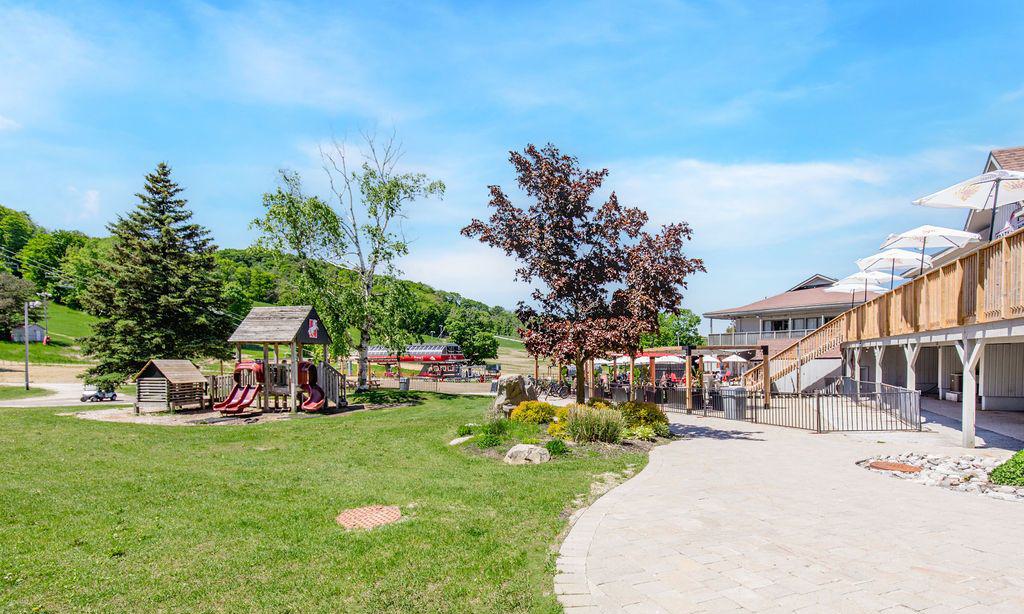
(289, 324)
(175, 371)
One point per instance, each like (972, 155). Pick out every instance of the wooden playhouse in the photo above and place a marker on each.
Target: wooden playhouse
(286, 381)
(169, 384)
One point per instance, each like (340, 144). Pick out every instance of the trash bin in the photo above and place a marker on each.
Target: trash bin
(734, 402)
(403, 383)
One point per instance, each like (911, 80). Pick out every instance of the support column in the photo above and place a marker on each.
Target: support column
(879, 353)
(938, 377)
(766, 376)
(651, 371)
(970, 352)
(856, 364)
(293, 379)
(689, 379)
(266, 377)
(911, 351)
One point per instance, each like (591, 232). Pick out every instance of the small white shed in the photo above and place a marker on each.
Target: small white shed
(36, 334)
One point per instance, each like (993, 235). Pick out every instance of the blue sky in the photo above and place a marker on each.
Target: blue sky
(792, 136)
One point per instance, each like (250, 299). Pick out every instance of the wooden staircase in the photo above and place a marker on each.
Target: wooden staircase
(802, 351)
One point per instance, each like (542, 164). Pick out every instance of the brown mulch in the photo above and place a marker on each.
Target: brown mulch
(890, 466)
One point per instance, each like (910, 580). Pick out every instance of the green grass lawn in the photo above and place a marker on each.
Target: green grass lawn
(9, 393)
(101, 516)
(59, 351)
(512, 344)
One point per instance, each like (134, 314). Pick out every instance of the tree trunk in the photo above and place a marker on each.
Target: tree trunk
(581, 380)
(363, 378)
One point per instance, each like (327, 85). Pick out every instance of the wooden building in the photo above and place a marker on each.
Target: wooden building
(169, 384)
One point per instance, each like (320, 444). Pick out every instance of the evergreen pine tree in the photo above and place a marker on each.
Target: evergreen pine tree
(158, 296)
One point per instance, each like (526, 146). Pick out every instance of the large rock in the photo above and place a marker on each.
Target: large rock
(526, 454)
(512, 390)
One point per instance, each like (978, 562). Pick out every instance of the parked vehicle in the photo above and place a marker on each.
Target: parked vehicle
(91, 394)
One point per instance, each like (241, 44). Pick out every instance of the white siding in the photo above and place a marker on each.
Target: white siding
(1004, 370)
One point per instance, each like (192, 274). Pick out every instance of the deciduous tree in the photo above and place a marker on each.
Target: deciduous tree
(600, 278)
(346, 246)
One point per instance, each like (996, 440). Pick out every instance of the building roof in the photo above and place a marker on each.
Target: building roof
(1010, 159)
(281, 325)
(793, 300)
(176, 371)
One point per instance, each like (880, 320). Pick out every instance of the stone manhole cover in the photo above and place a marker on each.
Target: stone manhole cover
(890, 466)
(369, 517)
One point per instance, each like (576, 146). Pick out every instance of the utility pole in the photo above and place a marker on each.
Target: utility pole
(46, 313)
(25, 331)
(25, 335)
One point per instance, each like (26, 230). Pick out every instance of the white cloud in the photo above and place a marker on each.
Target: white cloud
(85, 205)
(7, 123)
(771, 203)
(469, 268)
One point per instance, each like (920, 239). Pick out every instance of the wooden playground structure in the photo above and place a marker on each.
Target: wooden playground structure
(273, 383)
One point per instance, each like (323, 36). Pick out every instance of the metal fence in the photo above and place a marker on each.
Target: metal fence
(842, 404)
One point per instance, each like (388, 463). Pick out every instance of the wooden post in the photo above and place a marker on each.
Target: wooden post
(277, 373)
(766, 377)
(632, 365)
(238, 352)
(266, 377)
(536, 368)
(652, 373)
(689, 379)
(293, 379)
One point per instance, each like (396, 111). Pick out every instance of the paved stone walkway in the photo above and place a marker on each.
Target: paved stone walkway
(744, 517)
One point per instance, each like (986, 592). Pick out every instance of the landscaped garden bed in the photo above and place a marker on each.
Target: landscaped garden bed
(975, 474)
(99, 516)
(595, 428)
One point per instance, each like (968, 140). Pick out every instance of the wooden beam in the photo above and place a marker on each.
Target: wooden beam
(293, 379)
(266, 377)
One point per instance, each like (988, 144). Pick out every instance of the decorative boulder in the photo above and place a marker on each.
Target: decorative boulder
(512, 390)
(526, 454)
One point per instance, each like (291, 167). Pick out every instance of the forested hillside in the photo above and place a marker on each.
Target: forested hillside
(64, 264)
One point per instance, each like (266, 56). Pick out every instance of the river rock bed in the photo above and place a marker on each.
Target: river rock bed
(963, 473)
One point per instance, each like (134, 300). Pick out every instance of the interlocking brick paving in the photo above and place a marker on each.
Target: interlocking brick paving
(749, 518)
(369, 517)
(890, 466)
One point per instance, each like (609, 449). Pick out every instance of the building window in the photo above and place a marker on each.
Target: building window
(798, 323)
(812, 323)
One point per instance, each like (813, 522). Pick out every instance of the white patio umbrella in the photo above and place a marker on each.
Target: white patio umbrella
(600, 362)
(993, 189)
(668, 360)
(735, 358)
(852, 288)
(709, 359)
(930, 237)
(893, 259)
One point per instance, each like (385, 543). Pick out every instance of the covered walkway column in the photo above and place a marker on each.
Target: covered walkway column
(911, 351)
(970, 352)
(879, 352)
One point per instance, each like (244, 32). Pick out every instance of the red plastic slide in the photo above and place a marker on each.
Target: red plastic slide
(315, 400)
(233, 397)
(245, 398)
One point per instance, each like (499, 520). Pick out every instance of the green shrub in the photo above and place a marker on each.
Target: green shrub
(636, 413)
(592, 424)
(1010, 473)
(556, 447)
(531, 441)
(488, 440)
(600, 403)
(557, 429)
(644, 432)
(533, 412)
(498, 428)
(661, 429)
(464, 430)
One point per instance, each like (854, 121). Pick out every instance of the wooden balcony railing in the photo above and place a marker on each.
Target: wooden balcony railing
(986, 285)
